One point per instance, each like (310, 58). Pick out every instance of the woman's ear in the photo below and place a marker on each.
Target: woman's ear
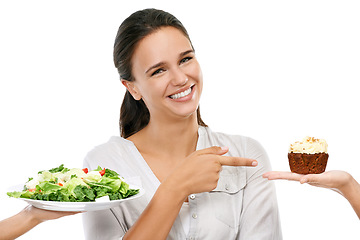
(130, 86)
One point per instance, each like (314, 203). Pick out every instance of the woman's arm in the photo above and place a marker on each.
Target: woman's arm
(197, 173)
(25, 220)
(339, 181)
(157, 219)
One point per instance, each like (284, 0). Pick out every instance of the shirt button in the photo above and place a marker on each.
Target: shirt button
(194, 215)
(192, 196)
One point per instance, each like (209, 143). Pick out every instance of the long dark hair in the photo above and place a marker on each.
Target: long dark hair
(134, 115)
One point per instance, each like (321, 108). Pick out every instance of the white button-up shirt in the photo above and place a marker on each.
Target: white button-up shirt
(243, 205)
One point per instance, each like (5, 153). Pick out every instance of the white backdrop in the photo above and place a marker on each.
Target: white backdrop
(276, 71)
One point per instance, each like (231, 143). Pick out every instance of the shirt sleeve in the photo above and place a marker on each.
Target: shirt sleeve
(259, 217)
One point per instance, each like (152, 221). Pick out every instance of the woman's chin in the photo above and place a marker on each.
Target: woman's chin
(186, 113)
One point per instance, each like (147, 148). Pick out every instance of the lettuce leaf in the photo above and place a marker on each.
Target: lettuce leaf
(74, 185)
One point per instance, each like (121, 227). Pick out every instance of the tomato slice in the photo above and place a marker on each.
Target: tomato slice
(102, 172)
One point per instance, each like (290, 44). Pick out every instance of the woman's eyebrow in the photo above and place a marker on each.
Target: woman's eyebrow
(155, 66)
(186, 52)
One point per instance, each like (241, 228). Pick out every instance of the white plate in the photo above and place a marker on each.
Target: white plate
(77, 206)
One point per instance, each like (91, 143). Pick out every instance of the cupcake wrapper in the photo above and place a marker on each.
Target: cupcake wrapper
(304, 163)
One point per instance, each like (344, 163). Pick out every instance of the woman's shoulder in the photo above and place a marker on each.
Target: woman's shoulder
(116, 148)
(114, 143)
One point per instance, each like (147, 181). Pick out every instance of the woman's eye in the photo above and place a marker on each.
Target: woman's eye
(186, 59)
(160, 70)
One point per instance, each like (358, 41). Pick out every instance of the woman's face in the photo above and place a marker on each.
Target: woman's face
(167, 74)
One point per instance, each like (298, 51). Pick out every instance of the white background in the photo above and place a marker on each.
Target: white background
(276, 71)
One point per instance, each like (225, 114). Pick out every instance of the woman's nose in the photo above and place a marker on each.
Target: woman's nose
(179, 78)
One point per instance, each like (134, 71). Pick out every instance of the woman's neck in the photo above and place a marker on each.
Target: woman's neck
(173, 138)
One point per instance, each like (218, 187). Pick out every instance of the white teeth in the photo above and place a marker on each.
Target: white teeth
(182, 94)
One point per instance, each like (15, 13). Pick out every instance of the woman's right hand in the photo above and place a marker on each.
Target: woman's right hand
(199, 172)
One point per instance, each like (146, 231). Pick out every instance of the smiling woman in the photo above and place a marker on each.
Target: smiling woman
(188, 172)
(173, 70)
(134, 114)
(163, 85)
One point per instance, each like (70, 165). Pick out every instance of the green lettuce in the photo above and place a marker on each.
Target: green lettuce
(74, 185)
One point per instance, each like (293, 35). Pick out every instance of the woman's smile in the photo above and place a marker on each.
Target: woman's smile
(183, 95)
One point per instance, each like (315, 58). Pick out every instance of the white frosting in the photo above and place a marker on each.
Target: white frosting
(309, 145)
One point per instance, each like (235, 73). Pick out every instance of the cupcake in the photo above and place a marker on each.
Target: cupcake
(308, 156)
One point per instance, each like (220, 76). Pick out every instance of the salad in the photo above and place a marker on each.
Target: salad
(75, 185)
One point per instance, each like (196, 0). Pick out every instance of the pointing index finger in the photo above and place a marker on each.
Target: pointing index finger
(237, 161)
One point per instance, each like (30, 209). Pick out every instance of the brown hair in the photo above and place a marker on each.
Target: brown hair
(134, 115)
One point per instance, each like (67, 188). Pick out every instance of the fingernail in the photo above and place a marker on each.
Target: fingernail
(224, 148)
(254, 163)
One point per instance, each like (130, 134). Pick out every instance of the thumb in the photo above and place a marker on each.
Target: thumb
(309, 178)
(213, 150)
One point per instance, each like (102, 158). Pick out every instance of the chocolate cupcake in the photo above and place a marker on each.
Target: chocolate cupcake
(309, 156)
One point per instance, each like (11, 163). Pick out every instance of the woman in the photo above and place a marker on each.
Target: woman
(199, 184)
(340, 181)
